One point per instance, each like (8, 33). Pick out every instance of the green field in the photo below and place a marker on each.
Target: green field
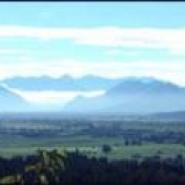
(88, 135)
(90, 146)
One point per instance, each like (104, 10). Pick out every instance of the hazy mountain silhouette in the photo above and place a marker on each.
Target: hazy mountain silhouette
(66, 82)
(123, 95)
(134, 95)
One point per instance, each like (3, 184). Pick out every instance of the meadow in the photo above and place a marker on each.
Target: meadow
(127, 138)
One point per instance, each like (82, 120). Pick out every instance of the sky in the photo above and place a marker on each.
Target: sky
(111, 39)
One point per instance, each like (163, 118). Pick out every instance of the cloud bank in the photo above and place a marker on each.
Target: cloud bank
(172, 39)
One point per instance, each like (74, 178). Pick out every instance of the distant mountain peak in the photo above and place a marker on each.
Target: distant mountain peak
(137, 95)
(144, 85)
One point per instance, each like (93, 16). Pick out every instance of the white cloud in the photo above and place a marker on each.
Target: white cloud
(53, 97)
(172, 39)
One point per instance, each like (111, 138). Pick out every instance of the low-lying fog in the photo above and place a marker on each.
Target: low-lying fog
(53, 97)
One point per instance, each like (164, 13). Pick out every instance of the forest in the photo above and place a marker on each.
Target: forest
(71, 168)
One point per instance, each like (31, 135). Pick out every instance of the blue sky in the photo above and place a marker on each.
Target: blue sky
(107, 39)
(134, 14)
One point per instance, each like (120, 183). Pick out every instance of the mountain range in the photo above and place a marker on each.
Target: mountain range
(63, 83)
(134, 95)
(123, 95)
